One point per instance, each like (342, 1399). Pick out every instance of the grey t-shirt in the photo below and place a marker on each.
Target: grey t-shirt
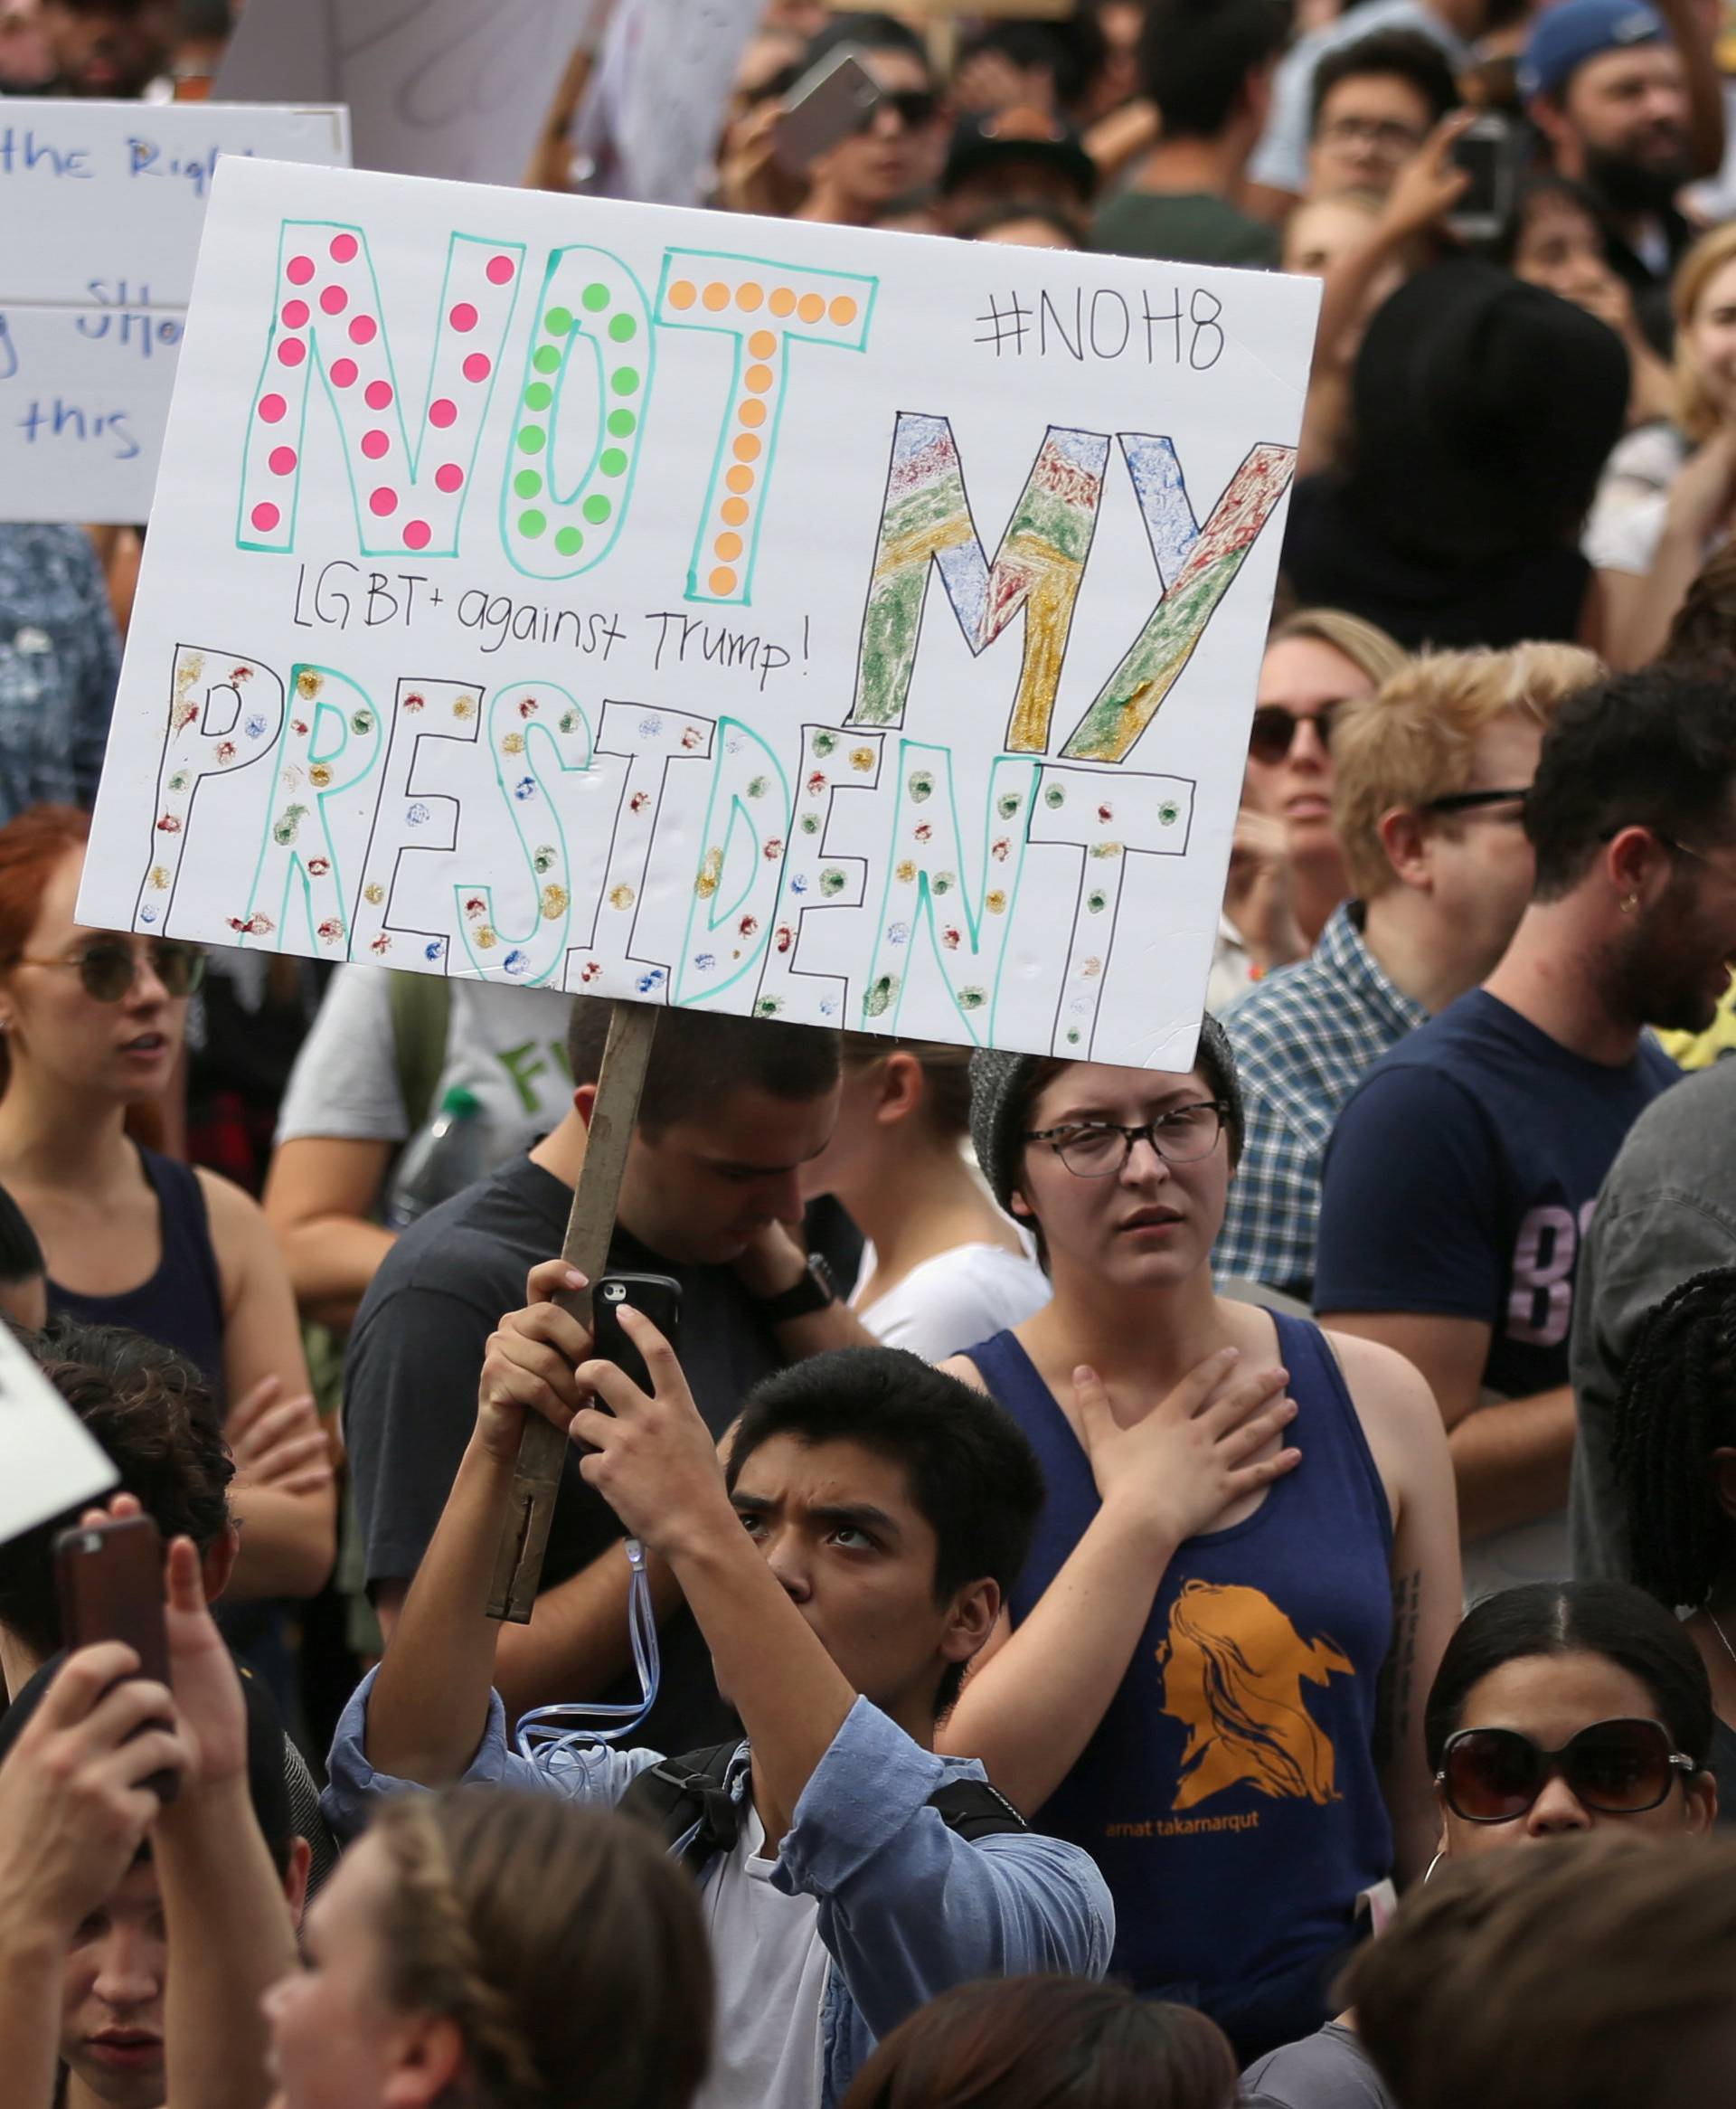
(1667, 1211)
(1327, 2070)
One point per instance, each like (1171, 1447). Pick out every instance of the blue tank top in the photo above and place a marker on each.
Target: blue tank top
(182, 1303)
(1230, 1794)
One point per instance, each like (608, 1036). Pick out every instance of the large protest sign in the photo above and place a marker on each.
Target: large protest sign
(859, 629)
(452, 87)
(655, 107)
(102, 204)
(49, 1461)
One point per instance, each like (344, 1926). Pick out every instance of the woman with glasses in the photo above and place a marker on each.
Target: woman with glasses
(1212, 1671)
(1287, 873)
(92, 1031)
(1558, 1709)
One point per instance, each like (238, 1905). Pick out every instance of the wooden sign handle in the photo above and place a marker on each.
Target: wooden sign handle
(542, 1447)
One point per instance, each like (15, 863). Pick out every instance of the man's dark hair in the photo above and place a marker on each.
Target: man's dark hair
(1611, 1619)
(1676, 1408)
(1403, 54)
(153, 1413)
(872, 32)
(1655, 749)
(699, 1056)
(1074, 51)
(21, 1256)
(973, 1475)
(1195, 57)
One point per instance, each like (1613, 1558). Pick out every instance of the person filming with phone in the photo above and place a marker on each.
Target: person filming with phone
(864, 125)
(843, 1565)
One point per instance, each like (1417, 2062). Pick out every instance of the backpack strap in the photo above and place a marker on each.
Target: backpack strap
(679, 1793)
(973, 1809)
(421, 1015)
(683, 1794)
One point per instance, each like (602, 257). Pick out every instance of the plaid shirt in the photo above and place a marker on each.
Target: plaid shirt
(1304, 1038)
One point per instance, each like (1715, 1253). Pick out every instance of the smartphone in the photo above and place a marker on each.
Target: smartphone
(110, 1578)
(1488, 150)
(656, 1296)
(830, 102)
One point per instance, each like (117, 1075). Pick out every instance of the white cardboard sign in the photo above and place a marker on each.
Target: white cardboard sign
(49, 1461)
(652, 119)
(849, 627)
(102, 204)
(454, 87)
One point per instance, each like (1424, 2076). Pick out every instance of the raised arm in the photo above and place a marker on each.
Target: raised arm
(75, 1805)
(429, 1703)
(1029, 1708)
(230, 1933)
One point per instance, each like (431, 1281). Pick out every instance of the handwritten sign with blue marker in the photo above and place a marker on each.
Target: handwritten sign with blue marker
(859, 629)
(102, 204)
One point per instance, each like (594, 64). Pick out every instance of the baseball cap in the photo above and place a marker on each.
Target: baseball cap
(1025, 134)
(1578, 30)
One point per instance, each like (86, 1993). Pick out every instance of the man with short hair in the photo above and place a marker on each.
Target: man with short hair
(1430, 780)
(894, 155)
(1376, 102)
(844, 1567)
(1207, 66)
(1279, 172)
(1614, 88)
(1460, 1178)
(110, 48)
(732, 1107)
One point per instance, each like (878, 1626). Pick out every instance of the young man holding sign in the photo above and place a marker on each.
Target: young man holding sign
(732, 1108)
(847, 1874)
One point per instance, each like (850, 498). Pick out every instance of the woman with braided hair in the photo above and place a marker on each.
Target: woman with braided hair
(482, 1949)
(1674, 1453)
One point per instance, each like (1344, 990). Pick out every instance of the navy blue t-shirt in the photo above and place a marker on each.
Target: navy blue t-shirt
(1461, 1177)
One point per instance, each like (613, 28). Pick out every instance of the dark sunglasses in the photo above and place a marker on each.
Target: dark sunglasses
(1468, 801)
(1618, 1768)
(107, 969)
(915, 107)
(1273, 731)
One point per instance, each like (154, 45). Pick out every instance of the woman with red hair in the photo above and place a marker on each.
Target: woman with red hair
(91, 1027)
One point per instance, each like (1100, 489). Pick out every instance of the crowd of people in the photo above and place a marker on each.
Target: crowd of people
(1128, 1552)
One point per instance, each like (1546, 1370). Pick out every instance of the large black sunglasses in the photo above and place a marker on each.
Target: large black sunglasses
(1618, 1768)
(107, 967)
(1274, 725)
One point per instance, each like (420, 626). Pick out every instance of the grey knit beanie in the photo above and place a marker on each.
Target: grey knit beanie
(998, 1084)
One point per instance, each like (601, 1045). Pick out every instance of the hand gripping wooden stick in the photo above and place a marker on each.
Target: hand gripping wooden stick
(542, 1447)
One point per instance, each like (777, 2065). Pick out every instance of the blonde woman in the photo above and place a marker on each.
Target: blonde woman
(1668, 495)
(1285, 873)
(481, 1949)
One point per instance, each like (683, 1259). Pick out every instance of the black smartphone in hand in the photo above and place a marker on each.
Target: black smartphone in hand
(656, 1296)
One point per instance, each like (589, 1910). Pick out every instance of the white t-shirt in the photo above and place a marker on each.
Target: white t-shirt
(770, 1967)
(956, 1299)
(506, 1046)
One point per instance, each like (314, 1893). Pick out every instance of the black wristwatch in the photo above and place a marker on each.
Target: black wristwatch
(816, 1290)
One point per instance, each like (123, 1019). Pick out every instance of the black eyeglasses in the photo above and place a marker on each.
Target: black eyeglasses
(1618, 1768)
(915, 108)
(1093, 1149)
(1470, 801)
(107, 969)
(1273, 731)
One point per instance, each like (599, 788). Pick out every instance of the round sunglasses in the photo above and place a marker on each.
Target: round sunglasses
(107, 968)
(1617, 1768)
(1274, 725)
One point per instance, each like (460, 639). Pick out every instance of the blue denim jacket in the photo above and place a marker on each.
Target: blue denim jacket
(907, 1908)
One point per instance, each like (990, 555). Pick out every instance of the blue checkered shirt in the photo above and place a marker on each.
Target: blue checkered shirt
(1304, 1038)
